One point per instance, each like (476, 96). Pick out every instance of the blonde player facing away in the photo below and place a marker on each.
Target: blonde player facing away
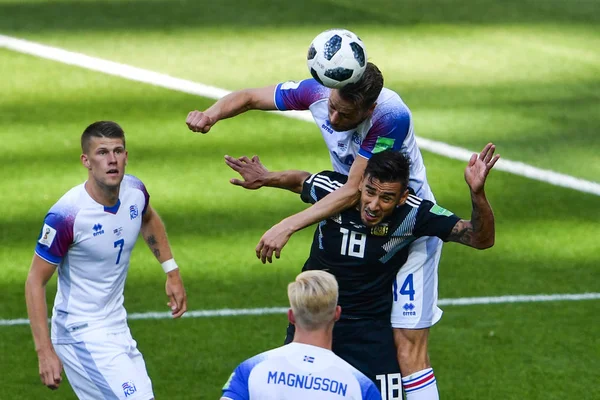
(88, 236)
(305, 368)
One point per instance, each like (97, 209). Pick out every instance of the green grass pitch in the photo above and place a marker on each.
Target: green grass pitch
(524, 74)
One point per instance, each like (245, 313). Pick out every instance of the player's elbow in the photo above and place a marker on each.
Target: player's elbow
(258, 99)
(33, 285)
(248, 100)
(33, 281)
(485, 243)
(484, 246)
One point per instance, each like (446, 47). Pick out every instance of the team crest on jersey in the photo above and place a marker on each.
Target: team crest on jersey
(48, 235)
(356, 138)
(337, 218)
(128, 388)
(97, 228)
(133, 211)
(380, 230)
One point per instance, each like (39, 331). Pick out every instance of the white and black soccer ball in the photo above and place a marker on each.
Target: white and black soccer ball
(336, 58)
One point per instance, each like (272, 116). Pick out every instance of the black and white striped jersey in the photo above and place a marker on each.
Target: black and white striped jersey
(366, 260)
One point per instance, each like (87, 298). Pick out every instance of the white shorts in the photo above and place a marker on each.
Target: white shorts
(106, 364)
(415, 289)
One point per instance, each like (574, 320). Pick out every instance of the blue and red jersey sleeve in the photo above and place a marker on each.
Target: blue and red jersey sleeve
(388, 132)
(56, 236)
(299, 95)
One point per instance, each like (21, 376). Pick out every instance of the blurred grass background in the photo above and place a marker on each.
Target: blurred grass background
(523, 74)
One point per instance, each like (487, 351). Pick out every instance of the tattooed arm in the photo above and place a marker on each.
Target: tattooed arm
(155, 234)
(480, 231)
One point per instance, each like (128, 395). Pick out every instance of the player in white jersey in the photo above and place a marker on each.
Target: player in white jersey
(356, 121)
(88, 236)
(305, 368)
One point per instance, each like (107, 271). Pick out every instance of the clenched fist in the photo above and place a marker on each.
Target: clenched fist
(198, 121)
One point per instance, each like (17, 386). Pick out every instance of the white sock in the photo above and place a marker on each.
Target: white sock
(421, 386)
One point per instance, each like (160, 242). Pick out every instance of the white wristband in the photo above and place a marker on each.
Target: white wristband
(169, 265)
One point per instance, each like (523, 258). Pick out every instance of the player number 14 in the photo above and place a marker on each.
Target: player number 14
(407, 288)
(353, 243)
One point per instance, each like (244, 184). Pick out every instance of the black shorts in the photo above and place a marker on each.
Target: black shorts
(369, 346)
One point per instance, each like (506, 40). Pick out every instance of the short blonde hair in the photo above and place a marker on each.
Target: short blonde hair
(313, 299)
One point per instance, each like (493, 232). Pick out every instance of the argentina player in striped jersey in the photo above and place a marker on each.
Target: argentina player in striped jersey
(355, 121)
(305, 368)
(88, 237)
(365, 246)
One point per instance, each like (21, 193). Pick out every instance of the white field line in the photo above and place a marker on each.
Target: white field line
(229, 312)
(182, 85)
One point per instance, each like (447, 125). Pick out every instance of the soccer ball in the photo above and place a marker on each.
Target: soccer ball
(336, 58)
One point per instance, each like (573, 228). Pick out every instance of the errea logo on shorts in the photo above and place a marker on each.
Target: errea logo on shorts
(48, 235)
(128, 388)
(409, 310)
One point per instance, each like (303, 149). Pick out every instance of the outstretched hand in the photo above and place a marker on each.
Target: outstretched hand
(252, 171)
(479, 167)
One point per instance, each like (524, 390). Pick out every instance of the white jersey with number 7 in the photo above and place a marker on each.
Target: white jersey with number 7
(91, 245)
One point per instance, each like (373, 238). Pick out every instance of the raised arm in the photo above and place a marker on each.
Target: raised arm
(155, 234)
(231, 105)
(255, 175)
(50, 367)
(479, 232)
(275, 238)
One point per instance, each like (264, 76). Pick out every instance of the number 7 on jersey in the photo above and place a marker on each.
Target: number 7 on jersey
(119, 243)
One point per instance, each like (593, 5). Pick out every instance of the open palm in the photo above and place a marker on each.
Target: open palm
(252, 171)
(479, 167)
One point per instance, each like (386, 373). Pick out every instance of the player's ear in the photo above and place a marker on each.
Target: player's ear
(371, 109)
(85, 161)
(403, 197)
(360, 184)
(338, 313)
(291, 317)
